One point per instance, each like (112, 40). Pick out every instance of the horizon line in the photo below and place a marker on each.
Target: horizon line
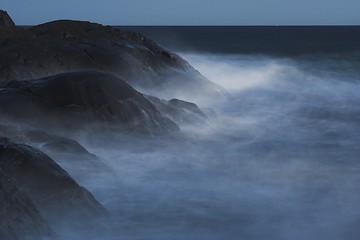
(210, 25)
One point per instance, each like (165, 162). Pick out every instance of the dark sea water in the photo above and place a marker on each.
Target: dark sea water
(281, 40)
(281, 160)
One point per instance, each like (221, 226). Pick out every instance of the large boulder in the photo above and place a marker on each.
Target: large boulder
(19, 217)
(72, 101)
(63, 46)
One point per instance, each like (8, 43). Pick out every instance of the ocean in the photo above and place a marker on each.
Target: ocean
(268, 40)
(280, 160)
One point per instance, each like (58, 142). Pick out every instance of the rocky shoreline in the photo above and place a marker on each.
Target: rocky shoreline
(66, 77)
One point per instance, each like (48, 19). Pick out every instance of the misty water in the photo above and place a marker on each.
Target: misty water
(278, 161)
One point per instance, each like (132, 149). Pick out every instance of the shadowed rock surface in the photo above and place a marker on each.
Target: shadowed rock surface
(21, 134)
(64, 46)
(53, 191)
(19, 218)
(77, 100)
(5, 19)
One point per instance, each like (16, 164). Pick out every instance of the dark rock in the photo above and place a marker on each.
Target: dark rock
(68, 153)
(64, 46)
(77, 100)
(179, 111)
(53, 191)
(5, 19)
(24, 135)
(19, 217)
(8, 34)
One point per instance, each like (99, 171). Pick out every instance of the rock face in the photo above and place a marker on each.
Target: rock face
(65, 46)
(19, 218)
(57, 196)
(79, 99)
(5, 19)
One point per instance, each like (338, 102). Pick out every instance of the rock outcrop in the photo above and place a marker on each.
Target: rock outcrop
(76, 75)
(19, 218)
(65, 46)
(72, 101)
(53, 191)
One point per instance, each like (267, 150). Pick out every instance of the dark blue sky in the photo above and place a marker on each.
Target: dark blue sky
(188, 12)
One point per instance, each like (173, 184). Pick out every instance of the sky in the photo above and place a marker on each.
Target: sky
(187, 12)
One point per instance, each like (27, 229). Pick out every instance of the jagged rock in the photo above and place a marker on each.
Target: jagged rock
(5, 19)
(19, 218)
(53, 191)
(72, 101)
(63, 46)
